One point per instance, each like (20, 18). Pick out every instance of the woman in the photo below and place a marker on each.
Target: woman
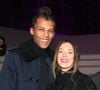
(65, 69)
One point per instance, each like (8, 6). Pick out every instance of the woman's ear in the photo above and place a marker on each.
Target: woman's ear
(31, 31)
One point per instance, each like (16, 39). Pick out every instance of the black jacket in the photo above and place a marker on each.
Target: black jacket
(79, 82)
(21, 68)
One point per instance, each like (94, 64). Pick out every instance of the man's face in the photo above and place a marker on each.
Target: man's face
(43, 32)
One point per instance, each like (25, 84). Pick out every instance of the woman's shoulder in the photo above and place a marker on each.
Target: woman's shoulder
(84, 77)
(86, 80)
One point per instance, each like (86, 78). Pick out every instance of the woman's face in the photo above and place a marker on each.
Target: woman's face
(65, 57)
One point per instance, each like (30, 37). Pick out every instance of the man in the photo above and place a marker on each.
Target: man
(22, 66)
(2, 50)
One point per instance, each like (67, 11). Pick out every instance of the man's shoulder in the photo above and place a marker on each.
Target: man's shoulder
(13, 49)
(17, 47)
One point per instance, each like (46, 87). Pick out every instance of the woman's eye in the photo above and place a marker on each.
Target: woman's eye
(70, 52)
(59, 51)
(41, 29)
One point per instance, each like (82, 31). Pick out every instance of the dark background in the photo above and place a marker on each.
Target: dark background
(74, 17)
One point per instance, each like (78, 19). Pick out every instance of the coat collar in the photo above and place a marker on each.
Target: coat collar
(68, 75)
(31, 51)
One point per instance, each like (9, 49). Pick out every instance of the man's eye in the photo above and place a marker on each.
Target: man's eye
(52, 31)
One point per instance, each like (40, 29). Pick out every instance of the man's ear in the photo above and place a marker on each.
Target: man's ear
(31, 31)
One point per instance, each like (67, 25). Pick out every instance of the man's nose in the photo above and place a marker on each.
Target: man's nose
(46, 33)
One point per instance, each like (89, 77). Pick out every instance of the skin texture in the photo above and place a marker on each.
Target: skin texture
(65, 56)
(43, 32)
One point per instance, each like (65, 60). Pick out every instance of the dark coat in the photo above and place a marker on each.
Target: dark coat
(21, 69)
(96, 79)
(79, 82)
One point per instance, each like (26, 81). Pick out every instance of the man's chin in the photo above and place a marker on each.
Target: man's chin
(44, 46)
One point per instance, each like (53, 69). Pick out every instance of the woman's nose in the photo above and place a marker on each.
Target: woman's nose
(64, 54)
